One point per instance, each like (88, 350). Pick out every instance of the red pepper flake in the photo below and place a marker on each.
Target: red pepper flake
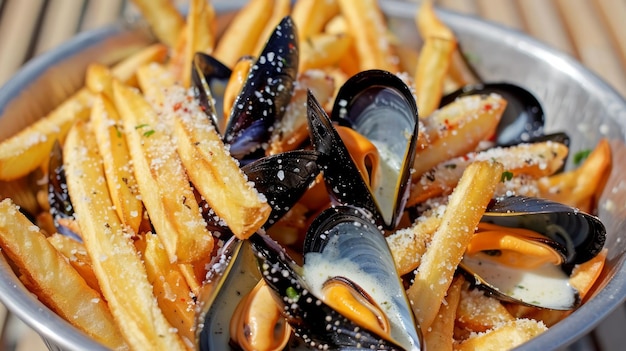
(488, 107)
(449, 126)
(177, 106)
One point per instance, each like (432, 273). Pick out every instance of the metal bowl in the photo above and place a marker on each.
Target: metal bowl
(575, 101)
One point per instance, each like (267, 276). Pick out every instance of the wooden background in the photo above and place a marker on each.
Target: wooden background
(592, 31)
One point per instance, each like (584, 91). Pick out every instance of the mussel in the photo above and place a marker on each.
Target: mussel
(527, 247)
(347, 294)
(380, 108)
(209, 77)
(265, 94)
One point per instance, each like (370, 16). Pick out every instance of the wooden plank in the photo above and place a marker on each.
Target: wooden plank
(542, 21)
(614, 15)
(462, 6)
(100, 13)
(504, 12)
(60, 23)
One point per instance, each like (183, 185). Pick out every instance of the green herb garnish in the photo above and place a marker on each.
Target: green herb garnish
(142, 125)
(292, 293)
(581, 156)
(148, 133)
(506, 176)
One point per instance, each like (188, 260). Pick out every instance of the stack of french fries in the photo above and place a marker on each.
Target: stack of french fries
(139, 154)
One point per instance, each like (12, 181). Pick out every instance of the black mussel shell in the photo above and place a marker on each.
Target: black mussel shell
(381, 107)
(266, 93)
(283, 179)
(342, 177)
(58, 196)
(312, 320)
(523, 117)
(581, 235)
(210, 77)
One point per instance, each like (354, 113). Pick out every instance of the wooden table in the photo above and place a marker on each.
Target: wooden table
(592, 31)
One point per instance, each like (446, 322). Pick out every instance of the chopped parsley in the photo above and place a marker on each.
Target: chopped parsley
(292, 293)
(581, 156)
(148, 133)
(506, 176)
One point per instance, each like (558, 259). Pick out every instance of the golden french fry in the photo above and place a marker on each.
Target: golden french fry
(349, 62)
(503, 337)
(408, 245)
(535, 160)
(164, 19)
(440, 334)
(25, 151)
(118, 169)
(280, 9)
(478, 313)
(465, 208)
(200, 35)
(243, 33)
(175, 215)
(434, 58)
(585, 274)
(456, 129)
(121, 274)
(154, 80)
(125, 70)
(170, 288)
(578, 187)
(236, 81)
(310, 16)
(77, 256)
(323, 50)
(216, 175)
(55, 282)
(368, 28)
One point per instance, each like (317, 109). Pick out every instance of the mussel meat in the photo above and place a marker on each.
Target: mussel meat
(525, 250)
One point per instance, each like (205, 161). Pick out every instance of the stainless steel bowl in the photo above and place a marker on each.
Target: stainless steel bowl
(575, 101)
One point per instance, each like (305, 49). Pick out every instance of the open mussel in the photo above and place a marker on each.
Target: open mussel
(347, 295)
(265, 94)
(525, 249)
(381, 109)
(522, 120)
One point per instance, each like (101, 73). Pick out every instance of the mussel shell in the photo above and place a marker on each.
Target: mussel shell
(265, 94)
(347, 242)
(58, 195)
(382, 108)
(311, 319)
(523, 117)
(580, 234)
(283, 179)
(209, 77)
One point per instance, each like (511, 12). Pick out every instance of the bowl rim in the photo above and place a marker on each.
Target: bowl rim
(45, 322)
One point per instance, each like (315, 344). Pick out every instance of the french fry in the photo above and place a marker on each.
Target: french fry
(478, 313)
(310, 16)
(117, 163)
(126, 69)
(77, 256)
(25, 151)
(440, 334)
(434, 58)
(504, 337)
(170, 287)
(456, 129)
(464, 210)
(280, 10)
(585, 274)
(349, 62)
(164, 19)
(55, 282)
(243, 33)
(577, 187)
(535, 160)
(408, 245)
(200, 35)
(121, 275)
(323, 50)
(235, 83)
(175, 215)
(368, 28)
(216, 175)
